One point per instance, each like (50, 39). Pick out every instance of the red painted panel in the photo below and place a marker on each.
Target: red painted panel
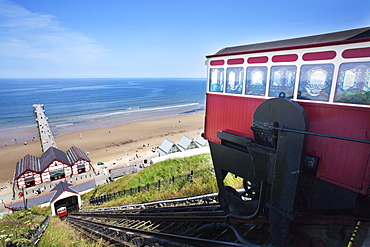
(323, 55)
(285, 58)
(358, 52)
(217, 62)
(263, 59)
(235, 61)
(341, 162)
(227, 112)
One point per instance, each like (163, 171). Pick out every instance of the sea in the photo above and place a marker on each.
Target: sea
(77, 104)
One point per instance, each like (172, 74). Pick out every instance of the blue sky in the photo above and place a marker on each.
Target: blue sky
(152, 38)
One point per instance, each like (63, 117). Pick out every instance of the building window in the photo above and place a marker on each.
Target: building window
(256, 81)
(81, 169)
(353, 84)
(315, 82)
(282, 80)
(216, 80)
(57, 175)
(234, 80)
(29, 182)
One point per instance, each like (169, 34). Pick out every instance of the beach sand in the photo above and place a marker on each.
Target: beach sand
(106, 144)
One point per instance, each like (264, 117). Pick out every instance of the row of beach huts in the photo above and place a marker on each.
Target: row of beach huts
(186, 143)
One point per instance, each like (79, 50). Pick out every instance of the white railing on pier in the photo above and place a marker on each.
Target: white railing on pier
(46, 137)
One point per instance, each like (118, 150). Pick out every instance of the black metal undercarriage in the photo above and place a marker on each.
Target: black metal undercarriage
(278, 174)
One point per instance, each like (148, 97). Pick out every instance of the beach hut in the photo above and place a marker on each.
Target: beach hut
(27, 172)
(186, 143)
(168, 147)
(201, 142)
(79, 160)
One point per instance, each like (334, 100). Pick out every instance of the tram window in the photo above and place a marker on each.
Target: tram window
(282, 80)
(256, 81)
(216, 80)
(234, 80)
(315, 81)
(353, 84)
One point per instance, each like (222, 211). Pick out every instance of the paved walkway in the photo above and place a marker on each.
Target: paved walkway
(46, 137)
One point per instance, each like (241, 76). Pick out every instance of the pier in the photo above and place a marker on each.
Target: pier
(46, 137)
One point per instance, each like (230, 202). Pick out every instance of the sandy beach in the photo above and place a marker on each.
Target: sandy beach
(122, 141)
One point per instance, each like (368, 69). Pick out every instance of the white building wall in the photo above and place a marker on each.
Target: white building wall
(21, 180)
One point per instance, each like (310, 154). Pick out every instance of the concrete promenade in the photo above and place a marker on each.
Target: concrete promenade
(46, 137)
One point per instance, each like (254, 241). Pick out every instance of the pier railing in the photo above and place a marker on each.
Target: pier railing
(46, 137)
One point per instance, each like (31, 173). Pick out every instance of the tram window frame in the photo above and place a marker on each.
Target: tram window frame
(310, 92)
(353, 94)
(289, 92)
(217, 86)
(238, 83)
(258, 89)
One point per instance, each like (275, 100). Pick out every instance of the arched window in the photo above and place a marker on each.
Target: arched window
(282, 80)
(256, 81)
(315, 81)
(353, 84)
(216, 80)
(234, 80)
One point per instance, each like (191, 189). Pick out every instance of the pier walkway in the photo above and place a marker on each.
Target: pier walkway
(46, 137)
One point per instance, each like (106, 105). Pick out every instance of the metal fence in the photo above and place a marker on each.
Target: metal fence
(158, 185)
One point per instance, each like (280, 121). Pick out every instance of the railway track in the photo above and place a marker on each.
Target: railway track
(184, 226)
(172, 223)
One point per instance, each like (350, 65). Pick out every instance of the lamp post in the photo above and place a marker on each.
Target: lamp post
(24, 199)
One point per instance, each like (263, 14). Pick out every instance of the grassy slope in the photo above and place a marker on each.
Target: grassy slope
(202, 183)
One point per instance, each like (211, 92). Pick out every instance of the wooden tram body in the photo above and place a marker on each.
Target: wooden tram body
(326, 79)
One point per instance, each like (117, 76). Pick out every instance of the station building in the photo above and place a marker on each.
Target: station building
(52, 165)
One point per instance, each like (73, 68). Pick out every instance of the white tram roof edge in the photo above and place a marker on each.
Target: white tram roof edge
(341, 36)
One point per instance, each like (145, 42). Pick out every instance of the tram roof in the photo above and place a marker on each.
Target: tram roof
(327, 38)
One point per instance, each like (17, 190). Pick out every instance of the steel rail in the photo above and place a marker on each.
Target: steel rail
(162, 218)
(169, 212)
(207, 207)
(205, 199)
(140, 233)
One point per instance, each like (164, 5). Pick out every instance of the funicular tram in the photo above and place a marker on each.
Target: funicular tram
(292, 118)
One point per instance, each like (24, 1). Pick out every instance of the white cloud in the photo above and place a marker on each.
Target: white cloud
(42, 38)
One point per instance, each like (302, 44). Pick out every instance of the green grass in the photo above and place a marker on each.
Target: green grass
(60, 233)
(14, 227)
(202, 182)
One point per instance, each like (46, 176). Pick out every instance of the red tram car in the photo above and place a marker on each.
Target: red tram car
(61, 212)
(292, 118)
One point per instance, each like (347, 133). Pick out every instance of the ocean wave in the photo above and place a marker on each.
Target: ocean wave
(17, 127)
(143, 109)
(64, 125)
(130, 114)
